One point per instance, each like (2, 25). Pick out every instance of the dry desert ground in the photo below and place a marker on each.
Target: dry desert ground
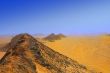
(91, 51)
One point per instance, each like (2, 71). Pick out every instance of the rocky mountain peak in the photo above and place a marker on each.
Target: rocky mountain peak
(18, 57)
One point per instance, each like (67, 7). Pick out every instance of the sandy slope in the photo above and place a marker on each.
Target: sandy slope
(93, 52)
(2, 54)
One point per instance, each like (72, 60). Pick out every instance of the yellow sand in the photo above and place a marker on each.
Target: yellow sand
(2, 54)
(94, 52)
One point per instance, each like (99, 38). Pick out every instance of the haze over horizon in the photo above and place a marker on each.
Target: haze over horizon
(54, 16)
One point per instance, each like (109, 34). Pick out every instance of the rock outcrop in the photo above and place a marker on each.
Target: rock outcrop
(18, 57)
(52, 37)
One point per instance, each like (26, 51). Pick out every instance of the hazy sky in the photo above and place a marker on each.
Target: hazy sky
(57, 16)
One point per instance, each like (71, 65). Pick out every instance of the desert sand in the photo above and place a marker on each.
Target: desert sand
(2, 54)
(93, 52)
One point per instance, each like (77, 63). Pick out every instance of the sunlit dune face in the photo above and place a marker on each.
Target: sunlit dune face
(93, 52)
(2, 54)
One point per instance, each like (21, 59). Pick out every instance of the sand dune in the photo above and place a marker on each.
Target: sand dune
(93, 52)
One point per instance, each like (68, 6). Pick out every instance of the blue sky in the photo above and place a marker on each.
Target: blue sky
(54, 16)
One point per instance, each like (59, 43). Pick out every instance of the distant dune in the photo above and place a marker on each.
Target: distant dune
(5, 39)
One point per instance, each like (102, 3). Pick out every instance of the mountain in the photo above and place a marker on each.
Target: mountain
(18, 57)
(24, 52)
(53, 37)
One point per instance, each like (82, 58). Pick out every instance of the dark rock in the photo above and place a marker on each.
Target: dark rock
(16, 59)
(52, 37)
